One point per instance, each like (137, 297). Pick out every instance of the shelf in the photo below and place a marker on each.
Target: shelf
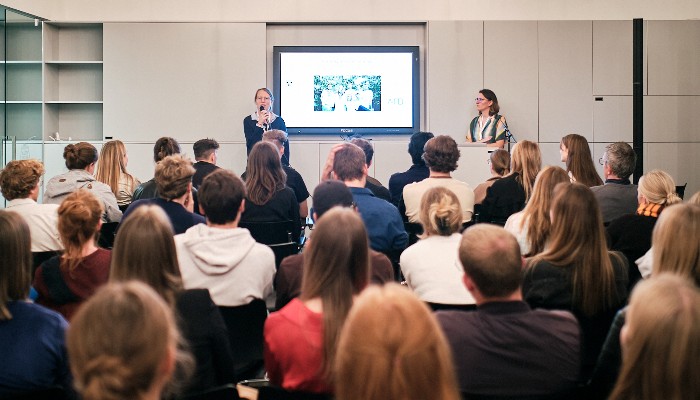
(78, 120)
(20, 62)
(74, 102)
(72, 42)
(21, 102)
(73, 82)
(74, 62)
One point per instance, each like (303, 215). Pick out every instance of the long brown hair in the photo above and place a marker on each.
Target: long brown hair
(336, 267)
(15, 262)
(661, 341)
(265, 174)
(675, 242)
(579, 160)
(145, 250)
(79, 217)
(110, 166)
(577, 241)
(393, 348)
(536, 212)
(526, 161)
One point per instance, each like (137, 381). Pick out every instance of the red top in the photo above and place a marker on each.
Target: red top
(294, 349)
(91, 273)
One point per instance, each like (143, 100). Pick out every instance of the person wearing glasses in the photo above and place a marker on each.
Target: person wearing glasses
(263, 119)
(488, 127)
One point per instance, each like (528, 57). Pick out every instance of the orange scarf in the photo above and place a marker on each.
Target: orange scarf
(650, 210)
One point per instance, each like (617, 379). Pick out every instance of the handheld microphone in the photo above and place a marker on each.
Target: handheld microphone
(264, 124)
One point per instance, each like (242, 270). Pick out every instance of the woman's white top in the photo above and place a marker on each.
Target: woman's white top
(513, 226)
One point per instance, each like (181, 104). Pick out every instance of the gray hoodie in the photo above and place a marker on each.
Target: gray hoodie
(229, 262)
(60, 186)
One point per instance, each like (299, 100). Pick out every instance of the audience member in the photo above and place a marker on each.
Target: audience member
(531, 226)
(576, 154)
(33, 350)
(64, 282)
(441, 156)
(631, 234)
(418, 170)
(268, 197)
(294, 179)
(206, 152)
(111, 170)
(301, 338)
(80, 161)
(576, 272)
(123, 344)
(371, 183)
(327, 195)
(391, 348)
(505, 349)
(508, 195)
(383, 222)
(145, 251)
(430, 265)
(219, 255)
(174, 187)
(20, 182)
(618, 196)
(499, 165)
(165, 146)
(661, 341)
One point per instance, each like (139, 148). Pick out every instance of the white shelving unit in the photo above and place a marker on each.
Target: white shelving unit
(73, 64)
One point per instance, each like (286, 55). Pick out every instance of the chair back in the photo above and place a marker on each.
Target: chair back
(225, 392)
(279, 236)
(39, 257)
(245, 331)
(107, 234)
(53, 393)
(680, 190)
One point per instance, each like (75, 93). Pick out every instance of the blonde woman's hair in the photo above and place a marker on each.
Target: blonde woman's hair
(526, 160)
(144, 250)
(15, 262)
(536, 212)
(173, 175)
(658, 187)
(577, 241)
(695, 199)
(675, 242)
(579, 160)
(336, 267)
(79, 217)
(661, 345)
(265, 174)
(119, 341)
(392, 348)
(111, 167)
(440, 212)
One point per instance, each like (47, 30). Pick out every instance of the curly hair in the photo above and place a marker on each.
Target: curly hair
(20, 177)
(165, 146)
(441, 154)
(173, 174)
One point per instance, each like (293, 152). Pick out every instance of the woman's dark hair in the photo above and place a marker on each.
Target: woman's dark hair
(165, 146)
(79, 155)
(490, 95)
(265, 174)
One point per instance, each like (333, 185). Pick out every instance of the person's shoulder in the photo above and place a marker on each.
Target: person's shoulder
(38, 315)
(455, 320)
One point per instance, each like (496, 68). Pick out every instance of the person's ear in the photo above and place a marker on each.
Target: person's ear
(468, 283)
(241, 208)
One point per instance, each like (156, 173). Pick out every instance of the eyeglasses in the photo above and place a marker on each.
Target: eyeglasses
(602, 161)
(479, 100)
(262, 98)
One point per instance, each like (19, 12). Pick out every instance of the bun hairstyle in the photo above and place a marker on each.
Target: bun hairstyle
(440, 212)
(165, 146)
(121, 342)
(79, 155)
(79, 217)
(658, 187)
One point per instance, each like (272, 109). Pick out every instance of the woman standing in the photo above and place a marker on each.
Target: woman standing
(65, 282)
(301, 339)
(263, 119)
(111, 170)
(574, 151)
(488, 127)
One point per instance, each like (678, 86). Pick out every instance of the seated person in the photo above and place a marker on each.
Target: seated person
(33, 349)
(372, 184)
(219, 255)
(618, 196)
(294, 179)
(268, 197)
(174, 182)
(205, 155)
(504, 348)
(441, 156)
(499, 165)
(19, 181)
(418, 170)
(64, 282)
(328, 194)
(165, 146)
(111, 170)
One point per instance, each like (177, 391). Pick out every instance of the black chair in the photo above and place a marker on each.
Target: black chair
(279, 236)
(107, 234)
(276, 393)
(41, 256)
(226, 392)
(413, 229)
(245, 331)
(680, 190)
(459, 307)
(54, 393)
